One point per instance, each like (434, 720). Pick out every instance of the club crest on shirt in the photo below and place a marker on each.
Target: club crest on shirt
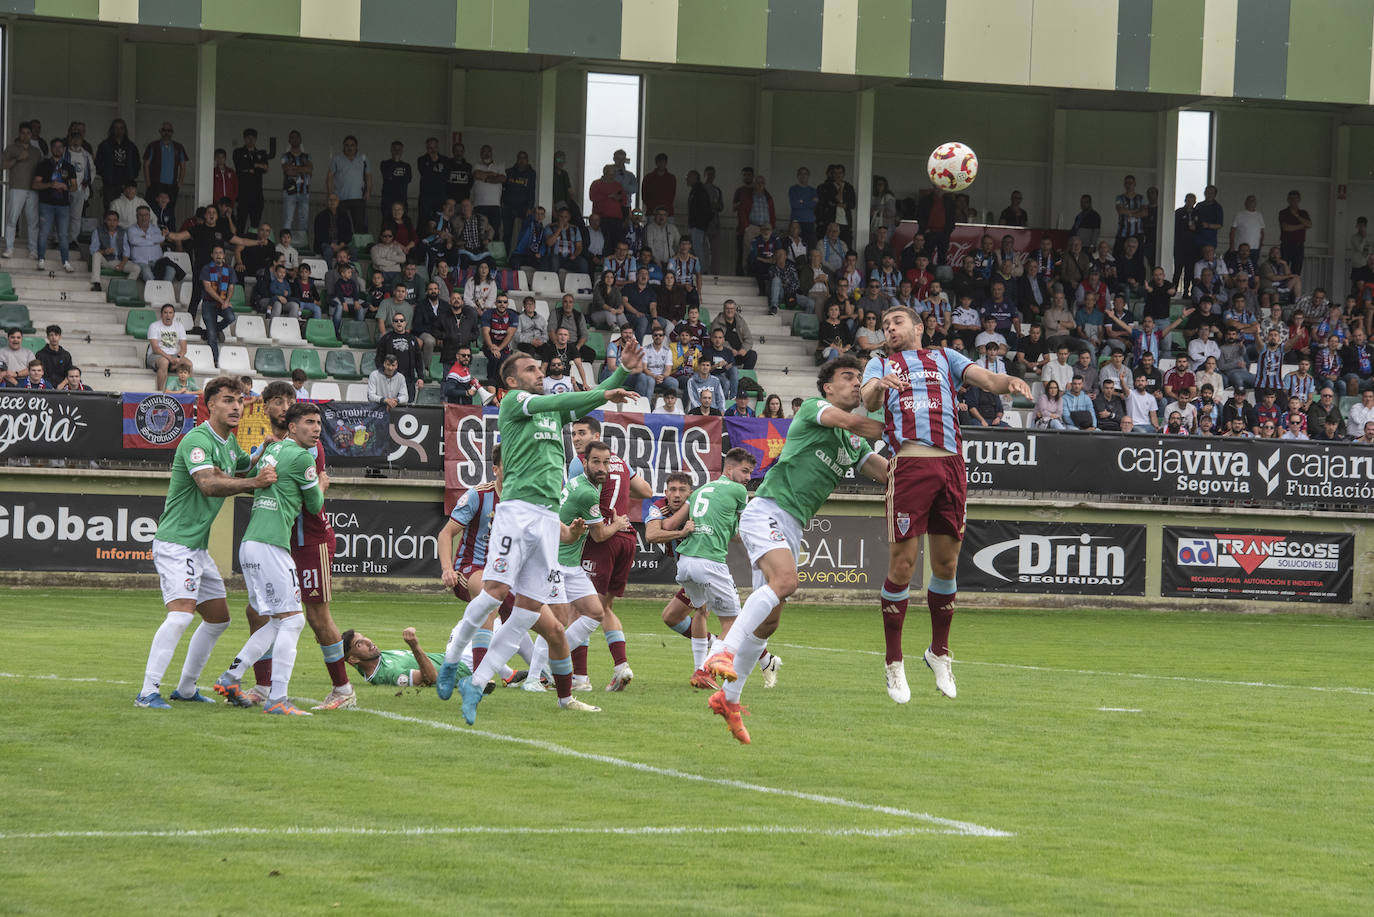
(903, 523)
(500, 565)
(197, 455)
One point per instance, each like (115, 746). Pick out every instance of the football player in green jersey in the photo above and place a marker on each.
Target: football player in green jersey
(265, 556)
(203, 474)
(581, 610)
(824, 441)
(408, 668)
(702, 573)
(522, 553)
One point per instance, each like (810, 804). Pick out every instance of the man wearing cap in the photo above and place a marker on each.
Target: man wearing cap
(1240, 408)
(251, 164)
(741, 406)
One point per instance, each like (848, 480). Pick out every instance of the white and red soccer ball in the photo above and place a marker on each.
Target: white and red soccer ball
(952, 166)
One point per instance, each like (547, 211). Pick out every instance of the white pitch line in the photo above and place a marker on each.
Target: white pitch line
(952, 826)
(957, 827)
(441, 831)
(1120, 710)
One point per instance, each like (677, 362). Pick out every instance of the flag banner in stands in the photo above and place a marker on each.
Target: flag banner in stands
(1193, 468)
(1080, 558)
(762, 436)
(39, 424)
(355, 430)
(374, 537)
(157, 420)
(653, 445)
(1228, 563)
(90, 532)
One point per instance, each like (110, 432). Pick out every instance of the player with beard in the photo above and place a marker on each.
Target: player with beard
(608, 563)
(927, 488)
(824, 441)
(526, 531)
(312, 550)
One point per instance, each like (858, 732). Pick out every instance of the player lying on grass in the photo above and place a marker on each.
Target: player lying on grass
(927, 487)
(824, 440)
(269, 572)
(525, 529)
(312, 550)
(203, 474)
(408, 668)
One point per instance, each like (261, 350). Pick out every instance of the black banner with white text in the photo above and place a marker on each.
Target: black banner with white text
(1229, 563)
(1079, 558)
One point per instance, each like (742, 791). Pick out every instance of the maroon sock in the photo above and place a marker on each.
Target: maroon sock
(941, 614)
(563, 683)
(338, 672)
(262, 672)
(579, 658)
(504, 611)
(617, 649)
(894, 616)
(478, 654)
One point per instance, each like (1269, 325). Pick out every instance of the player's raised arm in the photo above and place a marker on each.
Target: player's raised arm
(866, 427)
(875, 468)
(877, 382)
(662, 531)
(428, 674)
(996, 383)
(215, 483)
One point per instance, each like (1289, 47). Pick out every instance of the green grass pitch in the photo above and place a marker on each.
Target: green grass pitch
(1096, 762)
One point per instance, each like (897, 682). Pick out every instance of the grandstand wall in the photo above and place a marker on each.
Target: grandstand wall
(391, 541)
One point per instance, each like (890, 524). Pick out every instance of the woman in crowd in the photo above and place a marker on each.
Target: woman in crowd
(772, 407)
(480, 290)
(1049, 408)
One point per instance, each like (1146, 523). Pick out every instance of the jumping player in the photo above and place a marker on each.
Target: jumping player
(582, 611)
(525, 531)
(927, 487)
(715, 510)
(608, 563)
(265, 556)
(824, 440)
(203, 469)
(312, 550)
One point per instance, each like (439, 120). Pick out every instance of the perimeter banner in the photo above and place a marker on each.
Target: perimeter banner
(374, 537)
(157, 420)
(1220, 563)
(91, 532)
(653, 445)
(1081, 558)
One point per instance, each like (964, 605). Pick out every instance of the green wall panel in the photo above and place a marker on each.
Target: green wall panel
(884, 38)
(498, 25)
(73, 9)
(1176, 46)
(723, 33)
(1330, 63)
(266, 17)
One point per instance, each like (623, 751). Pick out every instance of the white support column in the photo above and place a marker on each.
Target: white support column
(1342, 226)
(202, 152)
(544, 139)
(128, 85)
(763, 145)
(863, 167)
(1054, 181)
(1167, 157)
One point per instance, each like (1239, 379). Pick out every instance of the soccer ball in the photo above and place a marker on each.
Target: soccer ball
(952, 166)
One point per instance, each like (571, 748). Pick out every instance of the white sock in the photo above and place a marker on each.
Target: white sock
(164, 645)
(503, 643)
(766, 658)
(539, 658)
(506, 672)
(197, 654)
(746, 657)
(257, 646)
(474, 616)
(526, 648)
(579, 631)
(699, 651)
(284, 654)
(755, 611)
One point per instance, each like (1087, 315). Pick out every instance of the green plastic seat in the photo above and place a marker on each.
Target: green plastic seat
(138, 321)
(430, 394)
(498, 253)
(16, 315)
(597, 342)
(362, 241)
(436, 367)
(341, 364)
(320, 332)
(358, 334)
(705, 316)
(124, 292)
(805, 326)
(238, 301)
(7, 293)
(308, 360)
(1018, 401)
(270, 361)
(34, 342)
(478, 367)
